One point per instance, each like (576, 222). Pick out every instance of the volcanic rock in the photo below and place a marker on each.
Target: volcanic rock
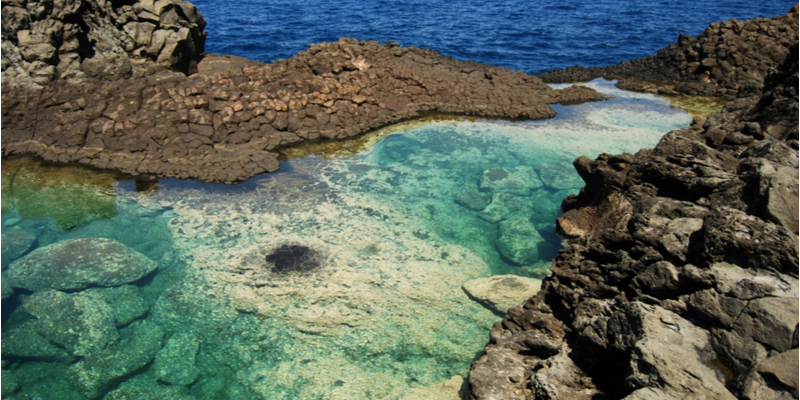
(681, 280)
(713, 63)
(115, 93)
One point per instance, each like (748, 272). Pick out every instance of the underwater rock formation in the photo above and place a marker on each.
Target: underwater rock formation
(726, 58)
(682, 278)
(78, 264)
(116, 94)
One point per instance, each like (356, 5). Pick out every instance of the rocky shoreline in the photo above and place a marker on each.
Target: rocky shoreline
(129, 105)
(727, 58)
(681, 281)
(682, 277)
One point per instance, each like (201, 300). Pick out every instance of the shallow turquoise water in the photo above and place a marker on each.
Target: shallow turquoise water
(380, 313)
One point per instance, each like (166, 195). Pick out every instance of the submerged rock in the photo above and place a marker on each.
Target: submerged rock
(503, 206)
(78, 264)
(15, 243)
(471, 199)
(97, 372)
(501, 292)
(520, 182)
(78, 322)
(519, 240)
(175, 363)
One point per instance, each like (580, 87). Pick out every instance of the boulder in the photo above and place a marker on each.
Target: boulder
(15, 243)
(97, 372)
(773, 378)
(78, 264)
(471, 199)
(501, 292)
(503, 206)
(519, 240)
(79, 323)
(175, 363)
(520, 181)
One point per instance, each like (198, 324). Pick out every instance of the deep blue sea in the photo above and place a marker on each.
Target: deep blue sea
(342, 276)
(530, 36)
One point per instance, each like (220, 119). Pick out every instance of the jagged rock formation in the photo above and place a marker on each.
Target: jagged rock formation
(682, 280)
(111, 102)
(68, 39)
(725, 58)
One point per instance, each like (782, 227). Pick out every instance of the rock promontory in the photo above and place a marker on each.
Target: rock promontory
(681, 281)
(726, 58)
(127, 87)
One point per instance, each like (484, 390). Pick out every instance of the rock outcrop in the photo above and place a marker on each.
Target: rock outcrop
(110, 89)
(73, 39)
(682, 278)
(726, 58)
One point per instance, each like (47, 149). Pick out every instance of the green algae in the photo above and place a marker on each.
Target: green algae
(70, 195)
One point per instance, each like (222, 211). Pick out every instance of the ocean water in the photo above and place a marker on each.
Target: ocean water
(529, 36)
(339, 276)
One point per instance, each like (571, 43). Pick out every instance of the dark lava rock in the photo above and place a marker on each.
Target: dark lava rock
(684, 256)
(78, 264)
(725, 58)
(294, 258)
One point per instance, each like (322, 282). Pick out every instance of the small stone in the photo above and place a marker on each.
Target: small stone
(471, 199)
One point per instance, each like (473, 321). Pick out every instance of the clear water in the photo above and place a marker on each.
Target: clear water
(383, 314)
(530, 36)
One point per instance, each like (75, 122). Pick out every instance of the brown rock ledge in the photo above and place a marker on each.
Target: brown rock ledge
(225, 122)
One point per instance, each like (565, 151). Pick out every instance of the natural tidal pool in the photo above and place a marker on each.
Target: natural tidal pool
(338, 277)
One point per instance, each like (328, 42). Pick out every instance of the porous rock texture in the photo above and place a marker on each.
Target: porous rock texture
(727, 57)
(681, 281)
(105, 84)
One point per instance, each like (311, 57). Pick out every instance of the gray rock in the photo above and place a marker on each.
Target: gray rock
(774, 378)
(521, 181)
(501, 292)
(15, 243)
(175, 363)
(559, 378)
(126, 302)
(503, 206)
(519, 240)
(137, 346)
(79, 263)
(666, 352)
(499, 362)
(770, 321)
(471, 199)
(559, 176)
(78, 322)
(23, 341)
